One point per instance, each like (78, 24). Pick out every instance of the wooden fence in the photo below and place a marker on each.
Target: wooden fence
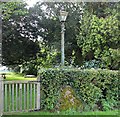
(18, 96)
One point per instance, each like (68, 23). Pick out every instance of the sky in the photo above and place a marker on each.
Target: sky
(31, 2)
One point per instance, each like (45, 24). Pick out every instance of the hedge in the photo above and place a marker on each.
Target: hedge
(94, 89)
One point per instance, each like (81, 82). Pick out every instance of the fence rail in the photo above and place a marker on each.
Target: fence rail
(19, 96)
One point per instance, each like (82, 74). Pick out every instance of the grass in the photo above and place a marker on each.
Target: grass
(115, 112)
(15, 76)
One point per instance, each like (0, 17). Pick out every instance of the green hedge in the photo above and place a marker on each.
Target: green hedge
(96, 89)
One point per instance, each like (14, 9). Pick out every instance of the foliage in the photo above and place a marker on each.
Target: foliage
(108, 104)
(43, 22)
(98, 28)
(10, 8)
(92, 64)
(17, 46)
(47, 57)
(47, 26)
(100, 36)
(90, 86)
(29, 67)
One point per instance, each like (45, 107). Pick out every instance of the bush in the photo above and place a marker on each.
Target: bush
(91, 87)
(93, 64)
(29, 67)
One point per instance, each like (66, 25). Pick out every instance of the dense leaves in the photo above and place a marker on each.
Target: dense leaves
(92, 87)
(43, 22)
(96, 36)
(99, 37)
(46, 58)
(17, 45)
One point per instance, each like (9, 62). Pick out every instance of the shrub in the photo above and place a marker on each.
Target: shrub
(91, 87)
(93, 64)
(29, 67)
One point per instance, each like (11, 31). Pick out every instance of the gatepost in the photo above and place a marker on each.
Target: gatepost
(1, 95)
(38, 94)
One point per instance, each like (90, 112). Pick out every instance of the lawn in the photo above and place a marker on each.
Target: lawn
(111, 113)
(15, 76)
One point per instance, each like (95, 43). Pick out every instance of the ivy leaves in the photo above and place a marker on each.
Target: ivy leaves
(99, 36)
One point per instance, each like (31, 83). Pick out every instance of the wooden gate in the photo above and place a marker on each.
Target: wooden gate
(17, 96)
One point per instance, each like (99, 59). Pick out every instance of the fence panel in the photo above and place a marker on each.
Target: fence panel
(21, 95)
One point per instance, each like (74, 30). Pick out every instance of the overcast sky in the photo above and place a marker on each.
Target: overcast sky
(31, 2)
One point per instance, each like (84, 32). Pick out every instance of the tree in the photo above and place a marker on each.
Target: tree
(99, 37)
(17, 45)
(43, 22)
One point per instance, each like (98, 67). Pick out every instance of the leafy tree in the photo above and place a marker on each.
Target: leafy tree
(98, 32)
(99, 37)
(43, 22)
(48, 57)
(17, 45)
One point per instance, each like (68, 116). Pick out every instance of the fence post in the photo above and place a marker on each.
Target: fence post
(38, 95)
(1, 95)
